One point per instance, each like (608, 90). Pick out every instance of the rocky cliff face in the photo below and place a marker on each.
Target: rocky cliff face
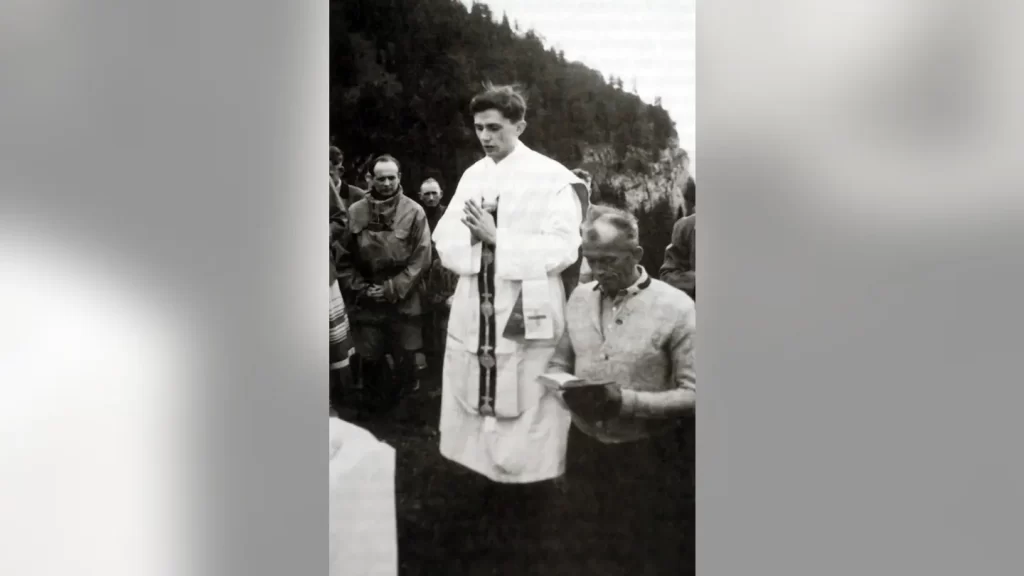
(634, 179)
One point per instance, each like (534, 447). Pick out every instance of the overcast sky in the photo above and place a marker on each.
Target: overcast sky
(652, 41)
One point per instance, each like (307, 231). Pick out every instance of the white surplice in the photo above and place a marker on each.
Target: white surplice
(363, 525)
(538, 236)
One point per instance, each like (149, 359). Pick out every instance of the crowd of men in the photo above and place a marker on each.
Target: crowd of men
(517, 280)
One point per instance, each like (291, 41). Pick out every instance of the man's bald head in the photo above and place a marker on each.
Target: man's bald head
(606, 224)
(604, 234)
(611, 246)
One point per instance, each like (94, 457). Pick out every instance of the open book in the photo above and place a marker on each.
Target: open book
(576, 390)
(559, 381)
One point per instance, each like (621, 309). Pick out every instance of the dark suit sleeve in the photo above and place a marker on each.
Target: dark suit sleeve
(571, 276)
(676, 270)
(339, 224)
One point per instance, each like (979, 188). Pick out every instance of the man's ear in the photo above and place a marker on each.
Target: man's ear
(520, 127)
(638, 253)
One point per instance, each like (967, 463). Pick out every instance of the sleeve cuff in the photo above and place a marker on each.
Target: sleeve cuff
(389, 291)
(629, 401)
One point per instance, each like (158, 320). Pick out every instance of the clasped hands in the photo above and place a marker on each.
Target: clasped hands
(375, 292)
(480, 223)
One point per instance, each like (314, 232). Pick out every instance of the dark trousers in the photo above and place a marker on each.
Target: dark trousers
(341, 380)
(387, 348)
(435, 330)
(634, 503)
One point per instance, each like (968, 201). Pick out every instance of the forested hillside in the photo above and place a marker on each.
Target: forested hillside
(403, 73)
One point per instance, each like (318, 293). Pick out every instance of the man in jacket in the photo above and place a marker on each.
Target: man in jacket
(387, 252)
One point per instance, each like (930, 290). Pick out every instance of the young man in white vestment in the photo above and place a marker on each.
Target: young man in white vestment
(511, 230)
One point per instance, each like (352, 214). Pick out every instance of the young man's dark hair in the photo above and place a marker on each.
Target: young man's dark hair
(506, 99)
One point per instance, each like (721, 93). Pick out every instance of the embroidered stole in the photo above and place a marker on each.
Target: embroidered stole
(488, 328)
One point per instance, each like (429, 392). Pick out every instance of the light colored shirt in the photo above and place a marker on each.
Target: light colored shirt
(642, 339)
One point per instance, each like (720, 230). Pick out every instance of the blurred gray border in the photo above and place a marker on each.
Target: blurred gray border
(860, 312)
(185, 143)
(859, 383)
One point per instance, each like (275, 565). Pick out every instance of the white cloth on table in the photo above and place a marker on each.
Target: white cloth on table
(363, 526)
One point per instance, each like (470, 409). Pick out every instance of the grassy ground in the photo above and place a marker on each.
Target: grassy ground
(442, 527)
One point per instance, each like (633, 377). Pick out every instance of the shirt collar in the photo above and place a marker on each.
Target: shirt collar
(642, 282)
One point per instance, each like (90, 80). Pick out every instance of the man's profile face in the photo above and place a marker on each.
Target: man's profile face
(430, 194)
(386, 178)
(497, 134)
(612, 257)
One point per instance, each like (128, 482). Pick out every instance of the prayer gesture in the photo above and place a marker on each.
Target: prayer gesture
(375, 292)
(480, 223)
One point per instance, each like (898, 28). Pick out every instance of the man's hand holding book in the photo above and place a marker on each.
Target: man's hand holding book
(592, 401)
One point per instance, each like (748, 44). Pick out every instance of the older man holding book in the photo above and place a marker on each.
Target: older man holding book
(625, 368)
